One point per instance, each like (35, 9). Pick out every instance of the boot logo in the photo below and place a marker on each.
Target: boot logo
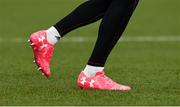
(83, 80)
(92, 83)
(41, 39)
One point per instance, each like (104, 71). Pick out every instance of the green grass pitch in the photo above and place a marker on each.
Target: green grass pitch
(152, 68)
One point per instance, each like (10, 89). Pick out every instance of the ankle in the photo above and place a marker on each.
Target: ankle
(90, 70)
(52, 35)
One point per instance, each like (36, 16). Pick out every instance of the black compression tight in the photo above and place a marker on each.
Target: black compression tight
(115, 15)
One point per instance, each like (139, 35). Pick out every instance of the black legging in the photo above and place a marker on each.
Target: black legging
(115, 15)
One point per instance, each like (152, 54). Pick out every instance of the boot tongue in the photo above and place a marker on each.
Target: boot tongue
(100, 73)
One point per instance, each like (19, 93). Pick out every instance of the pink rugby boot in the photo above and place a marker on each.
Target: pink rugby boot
(42, 51)
(99, 82)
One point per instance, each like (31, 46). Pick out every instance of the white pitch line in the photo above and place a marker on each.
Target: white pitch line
(152, 39)
(168, 38)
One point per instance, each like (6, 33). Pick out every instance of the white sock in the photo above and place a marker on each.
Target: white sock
(52, 35)
(90, 71)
